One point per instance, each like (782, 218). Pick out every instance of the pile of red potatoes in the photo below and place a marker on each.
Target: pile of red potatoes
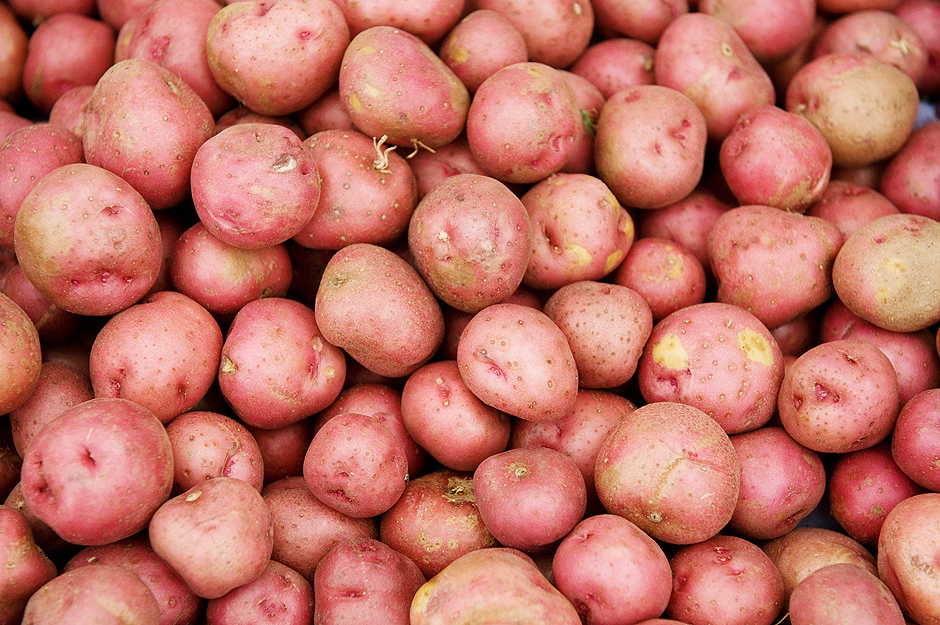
(470, 312)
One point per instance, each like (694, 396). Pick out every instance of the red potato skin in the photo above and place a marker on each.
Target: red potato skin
(20, 355)
(429, 20)
(279, 592)
(283, 449)
(324, 113)
(482, 43)
(915, 444)
(12, 55)
(850, 206)
(924, 17)
(638, 19)
(55, 325)
(431, 168)
(841, 593)
(770, 30)
(911, 179)
(615, 64)
(69, 109)
(667, 276)
(25, 567)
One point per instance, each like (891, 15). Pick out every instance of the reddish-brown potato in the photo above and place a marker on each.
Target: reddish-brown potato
(280, 591)
(12, 55)
(850, 206)
(482, 43)
(638, 19)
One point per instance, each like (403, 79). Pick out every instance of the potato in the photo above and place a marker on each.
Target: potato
(95, 489)
(652, 464)
(365, 581)
(69, 109)
(255, 185)
(517, 360)
(448, 421)
(649, 146)
(283, 449)
(356, 466)
(222, 277)
(87, 240)
(217, 536)
(772, 502)
(616, 63)
(667, 276)
(579, 230)
(13, 55)
(470, 238)
(431, 168)
(241, 114)
(907, 544)
(486, 582)
(529, 497)
(884, 274)
(718, 358)
(864, 107)
(638, 19)
(436, 521)
(161, 353)
(378, 338)
(20, 355)
(590, 101)
(153, 148)
(324, 113)
(910, 178)
(789, 249)
(249, 55)
(429, 19)
(25, 567)
(425, 106)
(46, 539)
(612, 571)
(849, 206)
(915, 442)
(176, 601)
(482, 43)
(841, 593)
(523, 123)
(770, 30)
(725, 579)
(93, 594)
(922, 15)
(704, 58)
(54, 325)
(279, 591)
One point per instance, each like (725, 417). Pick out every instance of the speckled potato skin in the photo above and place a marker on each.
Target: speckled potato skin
(717, 358)
(482, 43)
(280, 591)
(665, 274)
(428, 19)
(20, 356)
(915, 441)
(841, 593)
(517, 360)
(25, 567)
(886, 272)
(277, 58)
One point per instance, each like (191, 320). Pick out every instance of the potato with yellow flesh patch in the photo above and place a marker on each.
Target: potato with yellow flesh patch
(484, 42)
(718, 358)
(886, 273)
(666, 275)
(579, 231)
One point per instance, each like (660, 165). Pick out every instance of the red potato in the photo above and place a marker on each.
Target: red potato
(448, 421)
(470, 238)
(847, 6)
(664, 274)
(424, 107)
(177, 603)
(924, 17)
(638, 19)
(431, 168)
(365, 581)
(915, 444)
(93, 594)
(556, 32)
(87, 240)
(428, 20)
(46, 539)
(799, 335)
(276, 367)
(776, 158)
(436, 521)
(324, 113)
(911, 178)
(579, 231)
(378, 339)
(843, 593)
(37, 10)
(92, 490)
(12, 55)
(69, 109)
(482, 43)
(243, 115)
(864, 107)
(161, 353)
(249, 56)
(612, 572)
(171, 227)
(20, 355)
(173, 34)
(523, 123)
(66, 50)
(305, 529)
(118, 12)
(725, 579)
(702, 57)
(649, 146)
(652, 464)
(517, 360)
(849, 206)
(10, 121)
(217, 536)
(280, 591)
(770, 30)
(756, 270)
(782, 482)
(223, 278)
(367, 192)
(718, 358)
(283, 449)
(500, 581)
(55, 325)
(606, 325)
(616, 63)
(356, 466)
(25, 567)
(908, 543)
(27, 155)
(529, 497)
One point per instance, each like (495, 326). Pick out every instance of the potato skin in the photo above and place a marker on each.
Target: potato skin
(25, 567)
(20, 356)
(915, 443)
(843, 593)
(482, 43)
(279, 591)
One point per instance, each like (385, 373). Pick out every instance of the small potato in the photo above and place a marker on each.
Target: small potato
(649, 145)
(69, 110)
(637, 18)
(25, 568)
(324, 113)
(607, 326)
(910, 179)
(864, 107)
(283, 449)
(843, 593)
(616, 63)
(667, 276)
(482, 43)
(612, 571)
(517, 360)
(849, 206)
(656, 460)
(431, 168)
(529, 497)
(20, 356)
(280, 590)
(771, 30)
(924, 16)
(915, 442)
(276, 59)
(54, 324)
